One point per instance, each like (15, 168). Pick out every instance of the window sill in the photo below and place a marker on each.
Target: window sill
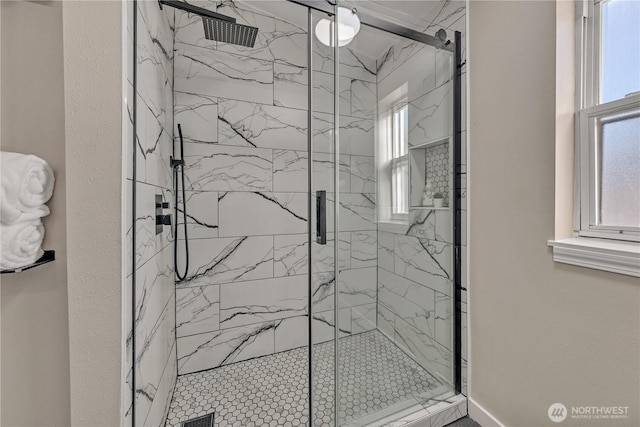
(398, 227)
(600, 254)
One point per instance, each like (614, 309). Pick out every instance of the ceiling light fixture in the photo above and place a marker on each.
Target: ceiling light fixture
(348, 27)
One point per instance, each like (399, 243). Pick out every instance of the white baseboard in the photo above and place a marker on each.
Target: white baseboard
(482, 416)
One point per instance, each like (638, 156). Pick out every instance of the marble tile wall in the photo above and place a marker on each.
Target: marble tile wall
(415, 262)
(415, 289)
(243, 113)
(153, 326)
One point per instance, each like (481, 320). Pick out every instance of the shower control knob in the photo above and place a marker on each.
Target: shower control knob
(163, 219)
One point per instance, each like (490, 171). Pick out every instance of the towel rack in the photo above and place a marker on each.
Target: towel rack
(47, 257)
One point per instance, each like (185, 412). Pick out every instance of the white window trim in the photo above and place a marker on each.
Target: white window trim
(394, 164)
(600, 254)
(387, 161)
(592, 248)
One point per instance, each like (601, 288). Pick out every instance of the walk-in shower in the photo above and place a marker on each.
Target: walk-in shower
(320, 202)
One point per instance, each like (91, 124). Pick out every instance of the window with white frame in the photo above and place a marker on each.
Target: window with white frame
(608, 121)
(399, 162)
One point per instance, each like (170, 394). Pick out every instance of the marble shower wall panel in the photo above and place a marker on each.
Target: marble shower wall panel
(258, 301)
(363, 249)
(198, 115)
(262, 126)
(356, 135)
(202, 215)
(290, 171)
(262, 213)
(430, 115)
(357, 97)
(353, 64)
(357, 287)
(226, 76)
(154, 322)
(363, 318)
(226, 260)
(291, 254)
(290, 86)
(424, 261)
(399, 68)
(215, 167)
(357, 212)
(197, 309)
(155, 60)
(291, 333)
(363, 174)
(222, 347)
(243, 113)
(412, 302)
(424, 349)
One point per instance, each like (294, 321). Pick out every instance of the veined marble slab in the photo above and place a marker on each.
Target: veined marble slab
(213, 349)
(386, 250)
(223, 75)
(198, 117)
(357, 287)
(413, 303)
(202, 214)
(263, 126)
(213, 167)
(430, 115)
(356, 135)
(364, 245)
(425, 350)
(363, 318)
(424, 261)
(262, 213)
(259, 301)
(197, 310)
(444, 320)
(225, 260)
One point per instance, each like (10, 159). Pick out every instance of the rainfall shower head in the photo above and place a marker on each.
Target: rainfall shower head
(218, 27)
(229, 32)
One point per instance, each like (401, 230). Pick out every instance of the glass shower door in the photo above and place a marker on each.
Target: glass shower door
(381, 299)
(395, 294)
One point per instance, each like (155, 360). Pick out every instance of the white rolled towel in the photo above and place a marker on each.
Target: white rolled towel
(21, 244)
(27, 184)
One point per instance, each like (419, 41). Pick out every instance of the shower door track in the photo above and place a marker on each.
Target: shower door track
(381, 24)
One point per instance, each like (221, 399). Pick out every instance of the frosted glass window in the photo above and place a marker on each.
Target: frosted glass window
(608, 36)
(619, 170)
(620, 44)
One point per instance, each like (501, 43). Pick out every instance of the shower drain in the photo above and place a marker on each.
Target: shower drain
(204, 421)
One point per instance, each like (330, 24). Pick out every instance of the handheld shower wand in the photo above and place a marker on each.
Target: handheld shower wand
(175, 164)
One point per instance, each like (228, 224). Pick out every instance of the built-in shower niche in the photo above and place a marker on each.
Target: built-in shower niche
(429, 162)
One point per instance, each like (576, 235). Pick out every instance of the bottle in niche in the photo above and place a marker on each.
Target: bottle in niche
(427, 196)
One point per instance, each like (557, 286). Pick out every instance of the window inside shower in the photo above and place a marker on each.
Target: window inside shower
(270, 327)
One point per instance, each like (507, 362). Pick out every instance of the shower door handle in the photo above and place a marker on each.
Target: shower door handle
(321, 217)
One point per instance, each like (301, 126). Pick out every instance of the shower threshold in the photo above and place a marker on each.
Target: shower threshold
(377, 380)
